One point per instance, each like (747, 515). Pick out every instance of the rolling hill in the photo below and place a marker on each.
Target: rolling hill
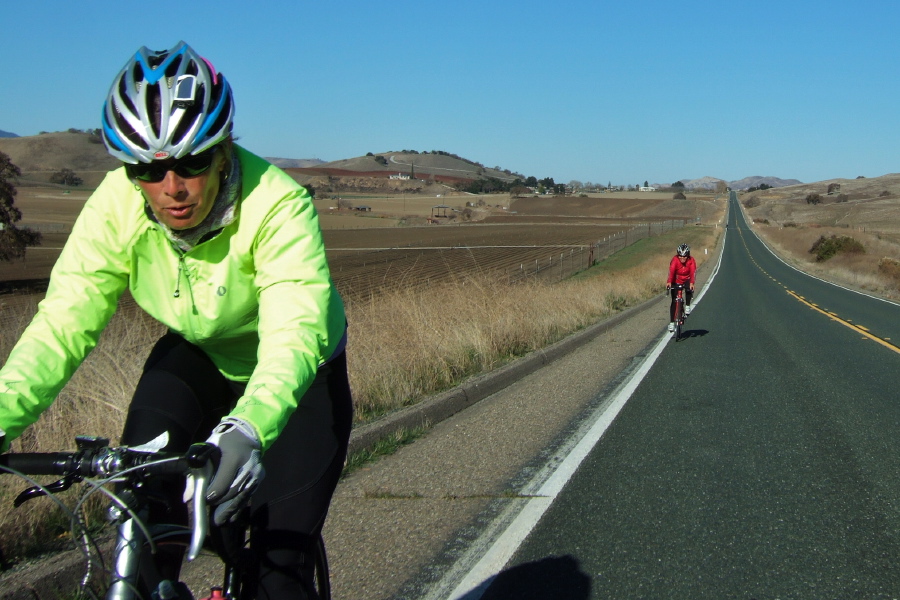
(439, 166)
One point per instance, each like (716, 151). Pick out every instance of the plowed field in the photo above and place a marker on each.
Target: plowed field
(363, 261)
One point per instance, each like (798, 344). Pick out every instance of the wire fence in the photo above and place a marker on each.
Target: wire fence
(557, 267)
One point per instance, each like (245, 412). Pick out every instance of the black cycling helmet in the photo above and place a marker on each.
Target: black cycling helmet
(683, 250)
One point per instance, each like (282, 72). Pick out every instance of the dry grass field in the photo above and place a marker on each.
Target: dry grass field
(392, 243)
(867, 210)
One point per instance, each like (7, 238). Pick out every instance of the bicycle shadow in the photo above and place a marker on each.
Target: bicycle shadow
(692, 333)
(552, 578)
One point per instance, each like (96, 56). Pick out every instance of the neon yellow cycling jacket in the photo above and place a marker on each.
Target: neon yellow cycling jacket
(257, 298)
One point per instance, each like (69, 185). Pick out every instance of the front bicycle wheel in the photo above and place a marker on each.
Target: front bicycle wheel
(679, 319)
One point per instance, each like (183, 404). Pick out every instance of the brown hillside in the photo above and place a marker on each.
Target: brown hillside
(55, 151)
(869, 203)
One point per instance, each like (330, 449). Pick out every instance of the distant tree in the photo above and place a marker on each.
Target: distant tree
(531, 181)
(517, 190)
(381, 160)
(575, 184)
(721, 187)
(678, 184)
(66, 177)
(547, 182)
(13, 240)
(646, 184)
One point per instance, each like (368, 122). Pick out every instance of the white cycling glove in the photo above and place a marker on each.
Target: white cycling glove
(239, 471)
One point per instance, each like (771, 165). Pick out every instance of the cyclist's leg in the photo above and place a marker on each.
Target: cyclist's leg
(674, 293)
(180, 392)
(302, 470)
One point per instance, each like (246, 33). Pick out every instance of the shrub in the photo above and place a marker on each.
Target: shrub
(813, 199)
(825, 248)
(790, 224)
(751, 202)
(761, 221)
(842, 198)
(679, 196)
(884, 194)
(66, 177)
(890, 268)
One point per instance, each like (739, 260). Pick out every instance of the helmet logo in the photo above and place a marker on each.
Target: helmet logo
(160, 155)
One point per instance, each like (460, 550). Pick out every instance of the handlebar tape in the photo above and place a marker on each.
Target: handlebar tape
(38, 463)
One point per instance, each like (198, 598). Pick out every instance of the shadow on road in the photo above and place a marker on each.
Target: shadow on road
(554, 578)
(691, 333)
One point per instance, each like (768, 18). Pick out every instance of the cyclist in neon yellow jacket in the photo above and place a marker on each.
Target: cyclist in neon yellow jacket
(225, 250)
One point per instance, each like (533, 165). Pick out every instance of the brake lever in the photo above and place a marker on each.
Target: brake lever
(51, 488)
(201, 470)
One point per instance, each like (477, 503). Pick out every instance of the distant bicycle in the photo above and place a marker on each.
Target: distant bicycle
(679, 310)
(132, 573)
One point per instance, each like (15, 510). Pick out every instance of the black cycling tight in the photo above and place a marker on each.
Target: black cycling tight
(182, 392)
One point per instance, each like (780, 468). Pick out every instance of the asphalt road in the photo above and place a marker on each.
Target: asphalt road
(757, 459)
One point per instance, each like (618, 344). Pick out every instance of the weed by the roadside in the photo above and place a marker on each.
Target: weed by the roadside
(383, 447)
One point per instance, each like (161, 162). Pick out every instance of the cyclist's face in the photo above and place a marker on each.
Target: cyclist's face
(183, 202)
(683, 259)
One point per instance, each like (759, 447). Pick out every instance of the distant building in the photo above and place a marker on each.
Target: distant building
(400, 176)
(648, 189)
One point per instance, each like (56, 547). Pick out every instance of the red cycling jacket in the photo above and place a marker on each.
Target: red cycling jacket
(682, 273)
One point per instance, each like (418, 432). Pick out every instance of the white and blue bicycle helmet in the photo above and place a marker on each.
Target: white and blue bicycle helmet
(683, 250)
(166, 104)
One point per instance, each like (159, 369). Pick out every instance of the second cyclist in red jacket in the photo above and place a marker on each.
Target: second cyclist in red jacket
(682, 270)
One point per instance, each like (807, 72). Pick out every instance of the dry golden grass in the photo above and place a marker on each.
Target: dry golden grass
(93, 403)
(858, 271)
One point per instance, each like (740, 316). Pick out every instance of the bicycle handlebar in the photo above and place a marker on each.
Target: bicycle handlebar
(96, 459)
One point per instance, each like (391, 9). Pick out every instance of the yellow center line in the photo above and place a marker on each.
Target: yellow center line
(846, 322)
(856, 328)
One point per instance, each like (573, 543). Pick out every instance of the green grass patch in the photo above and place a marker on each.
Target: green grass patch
(383, 447)
(646, 249)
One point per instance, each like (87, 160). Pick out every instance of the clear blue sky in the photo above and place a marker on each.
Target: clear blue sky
(589, 90)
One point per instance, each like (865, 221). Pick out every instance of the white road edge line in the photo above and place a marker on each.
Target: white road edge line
(476, 582)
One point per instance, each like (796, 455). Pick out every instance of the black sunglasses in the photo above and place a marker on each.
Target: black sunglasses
(189, 166)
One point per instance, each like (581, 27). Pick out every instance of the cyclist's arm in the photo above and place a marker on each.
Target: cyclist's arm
(301, 317)
(85, 285)
(673, 264)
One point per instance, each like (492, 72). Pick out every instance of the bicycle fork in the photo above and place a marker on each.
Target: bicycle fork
(129, 543)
